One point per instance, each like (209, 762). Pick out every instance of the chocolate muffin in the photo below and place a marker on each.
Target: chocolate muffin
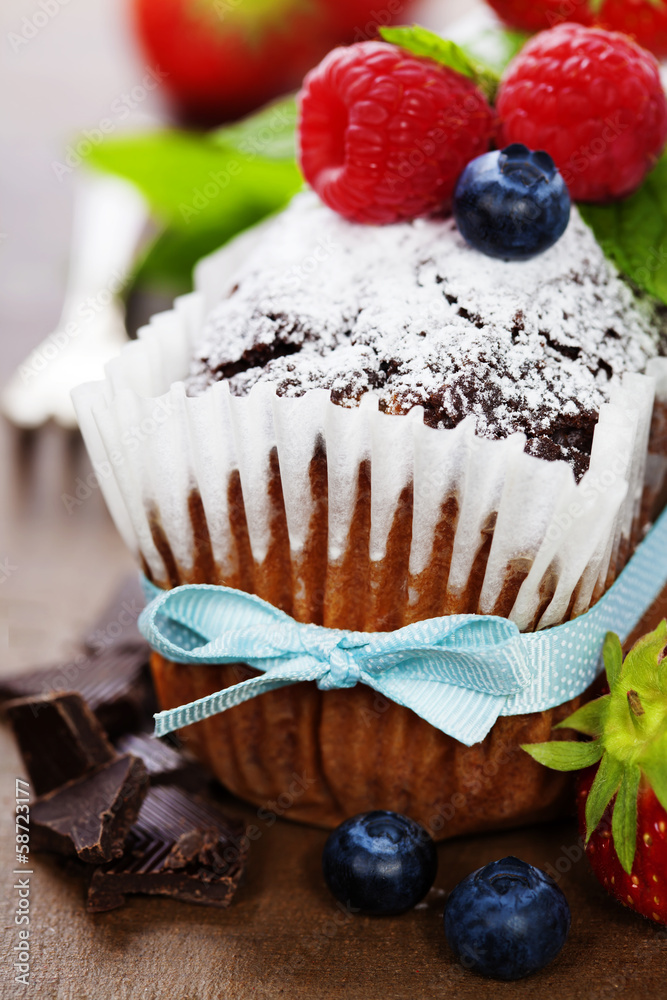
(369, 427)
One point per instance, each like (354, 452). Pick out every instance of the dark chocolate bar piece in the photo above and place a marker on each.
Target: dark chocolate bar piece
(163, 762)
(116, 684)
(181, 846)
(91, 816)
(59, 738)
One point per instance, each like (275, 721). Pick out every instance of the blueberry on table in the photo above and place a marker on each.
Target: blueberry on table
(506, 920)
(511, 203)
(379, 862)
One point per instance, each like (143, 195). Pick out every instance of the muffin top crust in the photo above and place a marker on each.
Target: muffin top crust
(412, 314)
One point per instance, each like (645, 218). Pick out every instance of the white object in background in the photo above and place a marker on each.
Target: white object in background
(109, 218)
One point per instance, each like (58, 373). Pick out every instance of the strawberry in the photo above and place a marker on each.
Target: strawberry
(643, 20)
(622, 802)
(223, 58)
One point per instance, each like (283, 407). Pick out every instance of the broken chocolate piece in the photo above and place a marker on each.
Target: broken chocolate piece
(91, 816)
(163, 762)
(116, 684)
(59, 738)
(181, 846)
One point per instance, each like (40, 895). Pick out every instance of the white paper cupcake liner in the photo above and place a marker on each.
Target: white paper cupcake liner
(154, 448)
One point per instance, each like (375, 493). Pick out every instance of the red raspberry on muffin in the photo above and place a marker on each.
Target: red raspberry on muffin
(594, 101)
(384, 134)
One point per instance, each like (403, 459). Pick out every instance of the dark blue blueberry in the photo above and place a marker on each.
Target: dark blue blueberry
(511, 204)
(506, 920)
(379, 862)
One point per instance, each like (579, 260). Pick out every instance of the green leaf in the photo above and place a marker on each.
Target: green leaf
(190, 180)
(588, 719)
(422, 42)
(564, 755)
(624, 819)
(270, 132)
(654, 766)
(205, 188)
(604, 787)
(169, 261)
(640, 668)
(612, 654)
(633, 232)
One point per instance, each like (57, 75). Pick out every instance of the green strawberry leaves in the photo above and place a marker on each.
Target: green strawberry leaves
(603, 789)
(654, 768)
(612, 655)
(565, 756)
(422, 42)
(629, 726)
(589, 719)
(624, 817)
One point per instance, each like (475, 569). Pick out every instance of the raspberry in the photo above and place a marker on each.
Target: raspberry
(593, 100)
(644, 20)
(384, 135)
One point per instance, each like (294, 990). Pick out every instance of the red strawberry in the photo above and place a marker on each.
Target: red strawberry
(644, 20)
(537, 15)
(623, 802)
(384, 134)
(226, 57)
(594, 101)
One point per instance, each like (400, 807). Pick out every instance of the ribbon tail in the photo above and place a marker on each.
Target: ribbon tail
(461, 713)
(203, 708)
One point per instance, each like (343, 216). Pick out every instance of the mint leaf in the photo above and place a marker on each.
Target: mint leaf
(624, 819)
(565, 756)
(169, 261)
(605, 785)
(422, 42)
(191, 180)
(612, 654)
(633, 232)
(588, 719)
(270, 133)
(205, 188)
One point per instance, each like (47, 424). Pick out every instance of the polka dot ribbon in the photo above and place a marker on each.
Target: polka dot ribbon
(459, 672)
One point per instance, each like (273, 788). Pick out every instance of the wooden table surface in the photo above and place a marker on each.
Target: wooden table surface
(284, 935)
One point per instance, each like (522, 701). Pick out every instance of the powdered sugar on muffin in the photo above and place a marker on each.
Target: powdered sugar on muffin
(411, 313)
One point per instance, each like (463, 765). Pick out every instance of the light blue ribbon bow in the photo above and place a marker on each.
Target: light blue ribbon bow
(459, 672)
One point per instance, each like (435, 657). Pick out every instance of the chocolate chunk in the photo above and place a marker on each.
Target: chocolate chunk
(181, 846)
(91, 816)
(164, 763)
(59, 738)
(116, 684)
